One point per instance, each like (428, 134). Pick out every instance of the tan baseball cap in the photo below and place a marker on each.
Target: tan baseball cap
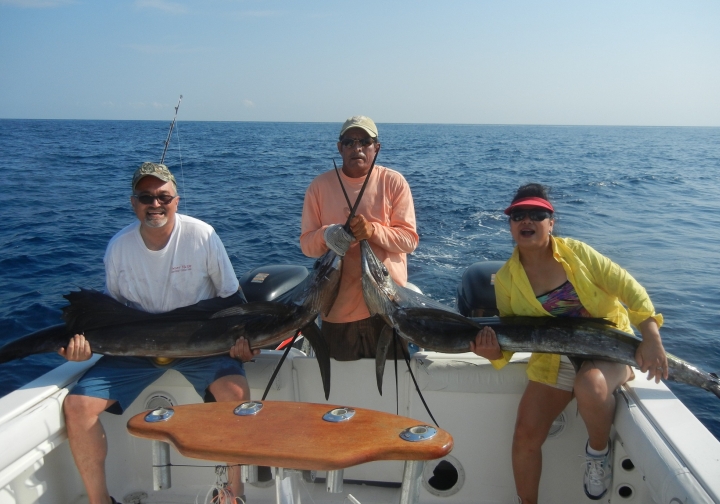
(159, 171)
(361, 122)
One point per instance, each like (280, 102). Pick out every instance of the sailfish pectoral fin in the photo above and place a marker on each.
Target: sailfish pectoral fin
(322, 354)
(384, 341)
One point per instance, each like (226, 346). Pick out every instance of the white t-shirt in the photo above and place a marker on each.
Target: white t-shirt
(193, 266)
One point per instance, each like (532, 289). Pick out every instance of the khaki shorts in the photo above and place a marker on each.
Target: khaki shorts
(566, 374)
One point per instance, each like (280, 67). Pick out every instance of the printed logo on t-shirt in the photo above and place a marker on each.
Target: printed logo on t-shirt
(180, 269)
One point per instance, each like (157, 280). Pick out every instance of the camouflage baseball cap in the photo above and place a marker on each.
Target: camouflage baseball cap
(361, 122)
(159, 171)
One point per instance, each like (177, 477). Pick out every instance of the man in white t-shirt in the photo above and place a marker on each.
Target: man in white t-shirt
(163, 261)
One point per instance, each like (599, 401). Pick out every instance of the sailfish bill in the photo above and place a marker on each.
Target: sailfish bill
(578, 337)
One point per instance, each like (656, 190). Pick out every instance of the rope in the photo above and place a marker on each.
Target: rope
(412, 375)
(277, 368)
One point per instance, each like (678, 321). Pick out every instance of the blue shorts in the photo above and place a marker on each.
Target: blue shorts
(124, 378)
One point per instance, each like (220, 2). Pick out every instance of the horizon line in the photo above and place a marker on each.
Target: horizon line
(379, 122)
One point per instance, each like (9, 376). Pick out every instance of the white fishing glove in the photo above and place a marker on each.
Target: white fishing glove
(337, 239)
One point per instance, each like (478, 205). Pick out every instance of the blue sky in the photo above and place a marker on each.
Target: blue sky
(645, 62)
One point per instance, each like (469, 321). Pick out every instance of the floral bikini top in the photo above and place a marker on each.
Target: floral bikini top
(563, 301)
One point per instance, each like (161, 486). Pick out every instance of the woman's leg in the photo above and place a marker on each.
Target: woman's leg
(595, 385)
(539, 407)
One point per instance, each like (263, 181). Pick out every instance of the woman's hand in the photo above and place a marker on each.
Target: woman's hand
(241, 350)
(650, 355)
(78, 349)
(486, 344)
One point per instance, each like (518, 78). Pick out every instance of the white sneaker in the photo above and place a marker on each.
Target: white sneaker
(598, 474)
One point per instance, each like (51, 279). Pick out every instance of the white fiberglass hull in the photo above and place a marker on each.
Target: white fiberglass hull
(661, 451)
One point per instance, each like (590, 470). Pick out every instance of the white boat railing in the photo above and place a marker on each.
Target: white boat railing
(663, 438)
(663, 453)
(31, 419)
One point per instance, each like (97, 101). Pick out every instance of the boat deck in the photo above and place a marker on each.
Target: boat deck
(661, 451)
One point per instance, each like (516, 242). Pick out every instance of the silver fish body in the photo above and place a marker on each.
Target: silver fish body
(584, 338)
(433, 326)
(209, 328)
(317, 292)
(384, 297)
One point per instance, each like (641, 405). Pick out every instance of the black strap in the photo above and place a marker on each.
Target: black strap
(277, 368)
(342, 186)
(417, 387)
(397, 391)
(360, 195)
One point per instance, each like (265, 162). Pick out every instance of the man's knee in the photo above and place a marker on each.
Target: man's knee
(230, 388)
(78, 407)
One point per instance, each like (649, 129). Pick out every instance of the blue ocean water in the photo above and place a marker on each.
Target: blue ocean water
(648, 198)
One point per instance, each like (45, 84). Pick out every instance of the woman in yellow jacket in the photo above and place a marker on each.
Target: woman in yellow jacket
(549, 276)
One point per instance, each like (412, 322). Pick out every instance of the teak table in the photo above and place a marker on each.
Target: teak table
(300, 436)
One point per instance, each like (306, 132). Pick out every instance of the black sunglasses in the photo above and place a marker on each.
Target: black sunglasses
(149, 199)
(350, 142)
(535, 215)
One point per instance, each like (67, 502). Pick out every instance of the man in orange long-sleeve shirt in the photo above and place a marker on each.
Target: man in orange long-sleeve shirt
(385, 218)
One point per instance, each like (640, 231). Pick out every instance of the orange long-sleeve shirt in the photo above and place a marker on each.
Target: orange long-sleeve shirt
(387, 203)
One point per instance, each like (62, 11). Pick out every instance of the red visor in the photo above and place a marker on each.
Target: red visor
(530, 202)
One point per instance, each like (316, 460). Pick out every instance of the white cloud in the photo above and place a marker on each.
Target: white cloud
(163, 5)
(248, 103)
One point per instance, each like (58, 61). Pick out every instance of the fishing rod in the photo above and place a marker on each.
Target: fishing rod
(167, 141)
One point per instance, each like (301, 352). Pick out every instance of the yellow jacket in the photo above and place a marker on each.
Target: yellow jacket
(601, 286)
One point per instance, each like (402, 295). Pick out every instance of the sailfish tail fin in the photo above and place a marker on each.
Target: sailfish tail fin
(322, 353)
(384, 341)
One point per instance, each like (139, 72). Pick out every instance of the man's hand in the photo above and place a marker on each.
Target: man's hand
(361, 228)
(78, 349)
(650, 354)
(241, 350)
(486, 344)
